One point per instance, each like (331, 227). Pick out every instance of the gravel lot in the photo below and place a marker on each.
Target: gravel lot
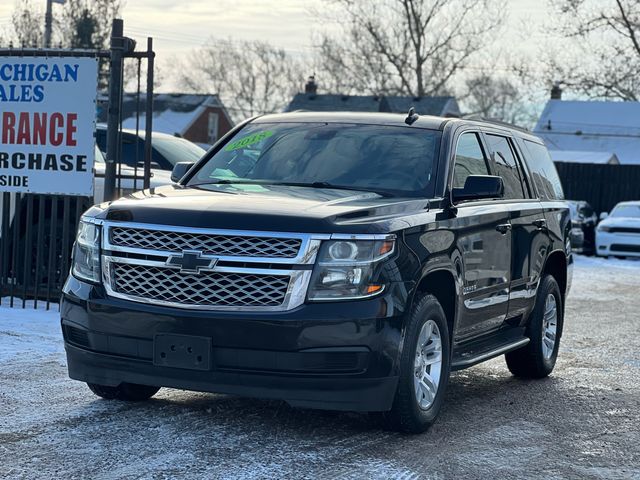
(582, 422)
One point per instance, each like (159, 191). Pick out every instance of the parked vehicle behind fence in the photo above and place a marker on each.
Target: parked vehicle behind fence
(166, 150)
(583, 227)
(619, 232)
(337, 261)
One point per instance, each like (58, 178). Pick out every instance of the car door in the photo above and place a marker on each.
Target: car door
(528, 223)
(483, 238)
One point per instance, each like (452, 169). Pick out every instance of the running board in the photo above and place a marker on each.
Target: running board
(470, 359)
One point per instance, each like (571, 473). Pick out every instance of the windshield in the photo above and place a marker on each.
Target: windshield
(632, 211)
(176, 149)
(385, 159)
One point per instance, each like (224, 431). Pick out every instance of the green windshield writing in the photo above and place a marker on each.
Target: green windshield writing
(249, 140)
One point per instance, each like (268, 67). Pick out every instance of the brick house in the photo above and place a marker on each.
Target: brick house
(201, 119)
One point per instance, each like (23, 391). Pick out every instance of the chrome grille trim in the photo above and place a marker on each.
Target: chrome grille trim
(299, 268)
(295, 293)
(229, 245)
(308, 244)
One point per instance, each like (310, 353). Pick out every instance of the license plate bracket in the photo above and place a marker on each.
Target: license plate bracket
(182, 351)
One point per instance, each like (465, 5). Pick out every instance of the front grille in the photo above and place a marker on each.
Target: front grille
(616, 247)
(624, 230)
(214, 289)
(211, 244)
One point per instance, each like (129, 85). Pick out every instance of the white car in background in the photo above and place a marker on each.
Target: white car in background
(131, 179)
(619, 233)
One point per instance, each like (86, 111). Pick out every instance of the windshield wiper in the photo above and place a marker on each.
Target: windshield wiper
(227, 181)
(330, 185)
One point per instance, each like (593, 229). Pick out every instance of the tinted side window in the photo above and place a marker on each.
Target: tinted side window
(470, 159)
(543, 172)
(129, 155)
(506, 166)
(101, 140)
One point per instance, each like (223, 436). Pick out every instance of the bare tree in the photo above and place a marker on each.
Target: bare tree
(79, 24)
(136, 70)
(251, 77)
(496, 98)
(87, 23)
(410, 47)
(605, 40)
(28, 22)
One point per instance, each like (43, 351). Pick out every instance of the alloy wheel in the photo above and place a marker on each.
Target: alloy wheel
(428, 364)
(549, 326)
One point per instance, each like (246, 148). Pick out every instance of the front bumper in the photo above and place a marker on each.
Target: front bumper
(338, 356)
(621, 244)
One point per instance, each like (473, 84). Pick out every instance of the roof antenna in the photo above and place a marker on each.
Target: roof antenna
(412, 116)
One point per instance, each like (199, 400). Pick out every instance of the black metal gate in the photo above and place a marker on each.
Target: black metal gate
(37, 231)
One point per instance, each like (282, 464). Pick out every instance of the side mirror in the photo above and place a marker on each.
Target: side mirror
(179, 170)
(604, 215)
(477, 187)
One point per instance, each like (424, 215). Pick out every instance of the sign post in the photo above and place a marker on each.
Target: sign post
(47, 124)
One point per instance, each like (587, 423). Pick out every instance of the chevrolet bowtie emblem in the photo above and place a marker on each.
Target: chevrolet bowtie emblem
(192, 261)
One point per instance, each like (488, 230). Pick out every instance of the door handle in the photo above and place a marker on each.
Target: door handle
(503, 228)
(540, 224)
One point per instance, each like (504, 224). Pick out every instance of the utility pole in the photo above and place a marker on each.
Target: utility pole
(48, 20)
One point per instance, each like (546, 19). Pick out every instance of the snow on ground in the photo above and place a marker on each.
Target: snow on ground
(32, 332)
(582, 422)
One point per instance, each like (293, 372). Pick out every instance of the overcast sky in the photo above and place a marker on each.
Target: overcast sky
(182, 25)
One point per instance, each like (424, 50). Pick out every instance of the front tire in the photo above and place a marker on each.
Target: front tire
(425, 366)
(130, 392)
(538, 358)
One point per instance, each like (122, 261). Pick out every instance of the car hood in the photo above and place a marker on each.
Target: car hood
(620, 222)
(265, 208)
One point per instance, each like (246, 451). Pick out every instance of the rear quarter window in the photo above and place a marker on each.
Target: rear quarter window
(543, 171)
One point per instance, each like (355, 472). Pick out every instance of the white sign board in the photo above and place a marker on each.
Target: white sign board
(47, 124)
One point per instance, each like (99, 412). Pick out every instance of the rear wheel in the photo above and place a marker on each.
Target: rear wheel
(424, 369)
(125, 391)
(538, 358)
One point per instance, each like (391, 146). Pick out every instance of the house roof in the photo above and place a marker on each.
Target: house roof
(173, 113)
(438, 106)
(577, 156)
(612, 127)
(334, 103)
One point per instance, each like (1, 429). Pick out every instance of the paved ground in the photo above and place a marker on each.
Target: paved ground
(583, 422)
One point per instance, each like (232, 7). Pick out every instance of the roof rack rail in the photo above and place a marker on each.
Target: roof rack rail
(493, 121)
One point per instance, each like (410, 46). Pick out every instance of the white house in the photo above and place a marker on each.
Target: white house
(578, 156)
(591, 132)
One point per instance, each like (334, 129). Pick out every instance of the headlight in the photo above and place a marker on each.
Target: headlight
(86, 253)
(604, 229)
(345, 269)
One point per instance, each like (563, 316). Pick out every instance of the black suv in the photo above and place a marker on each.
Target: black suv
(339, 261)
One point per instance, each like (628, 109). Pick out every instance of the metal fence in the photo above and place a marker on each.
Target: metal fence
(35, 245)
(37, 231)
(603, 186)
